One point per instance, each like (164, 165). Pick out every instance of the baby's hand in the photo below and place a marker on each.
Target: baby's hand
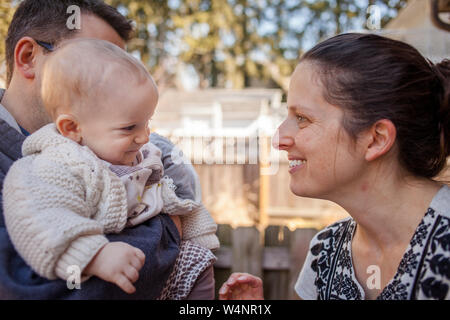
(119, 263)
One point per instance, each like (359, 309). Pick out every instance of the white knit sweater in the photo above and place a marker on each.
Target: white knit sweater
(60, 199)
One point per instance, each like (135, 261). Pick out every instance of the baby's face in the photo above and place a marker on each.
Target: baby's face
(117, 129)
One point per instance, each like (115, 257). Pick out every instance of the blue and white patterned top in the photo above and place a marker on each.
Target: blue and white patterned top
(423, 273)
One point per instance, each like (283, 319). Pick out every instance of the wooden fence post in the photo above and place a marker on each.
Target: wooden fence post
(299, 248)
(246, 251)
(276, 261)
(222, 268)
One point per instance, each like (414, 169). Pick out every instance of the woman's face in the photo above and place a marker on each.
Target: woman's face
(324, 162)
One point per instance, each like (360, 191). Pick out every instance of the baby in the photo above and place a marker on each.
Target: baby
(93, 171)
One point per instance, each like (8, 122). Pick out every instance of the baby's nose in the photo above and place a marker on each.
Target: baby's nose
(142, 138)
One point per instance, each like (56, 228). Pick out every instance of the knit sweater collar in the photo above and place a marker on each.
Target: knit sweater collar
(45, 137)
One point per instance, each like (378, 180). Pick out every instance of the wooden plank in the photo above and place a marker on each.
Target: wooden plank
(224, 258)
(278, 264)
(293, 212)
(274, 258)
(264, 180)
(299, 247)
(246, 251)
(222, 267)
(224, 234)
(220, 276)
(276, 281)
(251, 190)
(278, 236)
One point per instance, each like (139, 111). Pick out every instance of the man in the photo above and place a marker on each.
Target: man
(36, 29)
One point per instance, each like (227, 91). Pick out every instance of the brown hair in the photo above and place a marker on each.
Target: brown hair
(372, 78)
(45, 20)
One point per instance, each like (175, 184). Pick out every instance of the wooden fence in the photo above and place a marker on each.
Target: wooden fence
(276, 255)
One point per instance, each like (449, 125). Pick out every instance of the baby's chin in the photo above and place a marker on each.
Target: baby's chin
(127, 159)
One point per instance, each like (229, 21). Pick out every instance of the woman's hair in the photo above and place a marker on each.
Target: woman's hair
(372, 78)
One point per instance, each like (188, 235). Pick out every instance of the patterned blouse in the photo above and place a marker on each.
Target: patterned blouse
(423, 273)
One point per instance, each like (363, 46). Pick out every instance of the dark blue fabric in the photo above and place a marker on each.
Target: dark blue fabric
(25, 132)
(158, 238)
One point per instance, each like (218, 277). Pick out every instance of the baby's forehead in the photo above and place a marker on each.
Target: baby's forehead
(99, 54)
(98, 62)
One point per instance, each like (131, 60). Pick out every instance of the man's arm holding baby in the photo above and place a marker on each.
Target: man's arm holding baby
(157, 238)
(177, 221)
(53, 213)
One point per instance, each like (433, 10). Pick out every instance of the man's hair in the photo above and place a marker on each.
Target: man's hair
(46, 20)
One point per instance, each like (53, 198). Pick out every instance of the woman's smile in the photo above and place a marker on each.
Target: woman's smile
(295, 165)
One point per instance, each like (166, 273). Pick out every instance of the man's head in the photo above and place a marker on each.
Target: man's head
(46, 20)
(99, 96)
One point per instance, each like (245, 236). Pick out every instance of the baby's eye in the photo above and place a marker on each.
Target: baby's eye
(129, 128)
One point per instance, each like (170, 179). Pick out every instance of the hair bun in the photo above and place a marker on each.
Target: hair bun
(442, 71)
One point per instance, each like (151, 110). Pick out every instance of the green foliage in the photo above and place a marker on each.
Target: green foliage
(6, 14)
(232, 43)
(240, 43)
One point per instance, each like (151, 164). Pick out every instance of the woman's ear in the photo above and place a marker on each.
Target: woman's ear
(25, 57)
(68, 126)
(381, 138)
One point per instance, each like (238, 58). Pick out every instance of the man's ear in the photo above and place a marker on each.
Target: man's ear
(381, 138)
(68, 126)
(25, 57)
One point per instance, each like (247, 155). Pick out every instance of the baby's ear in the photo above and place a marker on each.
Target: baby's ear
(68, 126)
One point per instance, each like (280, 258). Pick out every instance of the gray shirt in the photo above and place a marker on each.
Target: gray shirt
(6, 116)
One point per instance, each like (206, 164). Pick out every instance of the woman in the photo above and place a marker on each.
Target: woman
(368, 128)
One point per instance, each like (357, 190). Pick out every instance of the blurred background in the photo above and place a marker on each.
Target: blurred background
(222, 68)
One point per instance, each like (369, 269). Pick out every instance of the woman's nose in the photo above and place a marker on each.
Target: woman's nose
(283, 138)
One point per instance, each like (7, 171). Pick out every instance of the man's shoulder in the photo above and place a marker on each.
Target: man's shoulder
(178, 168)
(161, 142)
(11, 141)
(10, 147)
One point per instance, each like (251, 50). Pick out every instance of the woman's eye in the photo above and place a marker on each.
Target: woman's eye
(300, 118)
(129, 128)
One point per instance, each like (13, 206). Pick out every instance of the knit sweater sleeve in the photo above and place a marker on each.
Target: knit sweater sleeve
(200, 228)
(47, 217)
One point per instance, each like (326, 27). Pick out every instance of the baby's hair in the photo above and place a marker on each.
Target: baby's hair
(80, 70)
(372, 78)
